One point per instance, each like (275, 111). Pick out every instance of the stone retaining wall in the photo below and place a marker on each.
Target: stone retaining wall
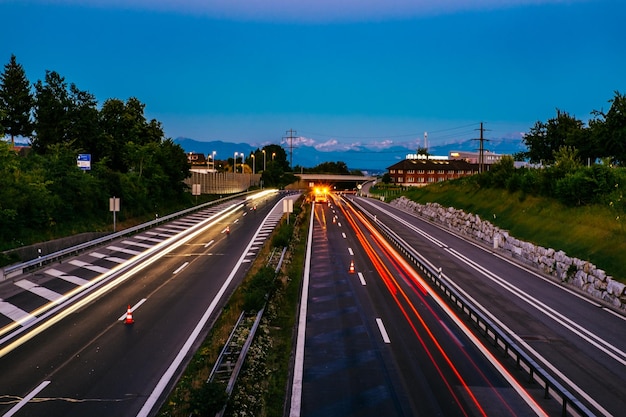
(578, 273)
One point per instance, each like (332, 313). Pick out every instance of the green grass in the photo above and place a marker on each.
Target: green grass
(591, 233)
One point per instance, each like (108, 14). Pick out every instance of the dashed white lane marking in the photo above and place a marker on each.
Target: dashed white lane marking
(158, 234)
(180, 268)
(149, 239)
(350, 252)
(383, 331)
(40, 291)
(362, 278)
(108, 258)
(138, 244)
(209, 243)
(87, 265)
(132, 309)
(25, 400)
(123, 250)
(69, 278)
(14, 313)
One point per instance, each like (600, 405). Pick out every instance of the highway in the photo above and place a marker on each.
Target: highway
(576, 339)
(68, 352)
(377, 342)
(375, 338)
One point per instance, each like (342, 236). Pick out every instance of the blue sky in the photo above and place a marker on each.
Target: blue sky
(339, 72)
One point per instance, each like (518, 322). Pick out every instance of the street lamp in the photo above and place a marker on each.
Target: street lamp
(235, 162)
(213, 160)
(263, 159)
(253, 163)
(273, 155)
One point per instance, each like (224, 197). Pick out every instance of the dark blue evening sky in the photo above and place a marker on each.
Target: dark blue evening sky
(338, 72)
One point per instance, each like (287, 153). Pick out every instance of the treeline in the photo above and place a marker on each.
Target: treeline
(578, 164)
(43, 188)
(603, 137)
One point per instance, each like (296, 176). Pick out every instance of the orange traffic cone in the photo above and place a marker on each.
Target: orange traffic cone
(351, 270)
(129, 316)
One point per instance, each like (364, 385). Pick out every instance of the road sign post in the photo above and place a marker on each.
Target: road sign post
(114, 206)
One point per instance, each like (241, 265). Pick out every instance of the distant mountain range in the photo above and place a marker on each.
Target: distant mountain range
(362, 158)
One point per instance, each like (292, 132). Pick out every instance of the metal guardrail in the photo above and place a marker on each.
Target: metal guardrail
(570, 405)
(17, 269)
(232, 356)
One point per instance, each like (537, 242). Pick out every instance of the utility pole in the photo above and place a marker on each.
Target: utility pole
(481, 149)
(291, 133)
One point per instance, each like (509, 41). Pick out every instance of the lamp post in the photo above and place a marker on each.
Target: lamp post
(235, 162)
(273, 155)
(263, 159)
(213, 159)
(253, 163)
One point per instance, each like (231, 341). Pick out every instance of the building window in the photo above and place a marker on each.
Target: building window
(420, 171)
(431, 171)
(431, 179)
(410, 179)
(410, 171)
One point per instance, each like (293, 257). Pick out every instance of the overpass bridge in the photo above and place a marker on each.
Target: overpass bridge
(335, 181)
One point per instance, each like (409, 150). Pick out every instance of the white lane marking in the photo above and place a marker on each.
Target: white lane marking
(362, 278)
(69, 278)
(298, 368)
(138, 244)
(343, 234)
(15, 313)
(132, 309)
(180, 268)
(350, 252)
(561, 319)
(123, 250)
(149, 239)
(339, 224)
(40, 291)
(587, 335)
(209, 243)
(165, 379)
(108, 258)
(383, 331)
(86, 265)
(26, 399)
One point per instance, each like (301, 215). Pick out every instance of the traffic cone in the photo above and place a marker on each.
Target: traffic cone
(351, 270)
(129, 316)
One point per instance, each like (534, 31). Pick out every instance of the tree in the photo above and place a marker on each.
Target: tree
(16, 101)
(123, 123)
(52, 104)
(609, 130)
(544, 139)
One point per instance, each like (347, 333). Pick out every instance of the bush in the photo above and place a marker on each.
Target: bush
(261, 287)
(208, 400)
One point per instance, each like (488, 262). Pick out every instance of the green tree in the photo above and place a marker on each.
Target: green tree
(16, 101)
(52, 104)
(609, 130)
(544, 139)
(123, 123)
